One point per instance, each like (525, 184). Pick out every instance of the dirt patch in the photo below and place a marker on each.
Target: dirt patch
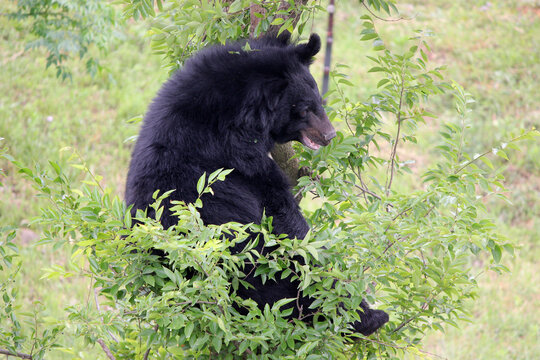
(532, 10)
(27, 236)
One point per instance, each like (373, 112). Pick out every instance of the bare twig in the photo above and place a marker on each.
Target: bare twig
(394, 148)
(364, 190)
(202, 302)
(196, 302)
(203, 270)
(472, 161)
(423, 307)
(517, 138)
(17, 354)
(298, 306)
(395, 218)
(99, 311)
(363, 185)
(405, 323)
(378, 17)
(399, 347)
(147, 353)
(106, 349)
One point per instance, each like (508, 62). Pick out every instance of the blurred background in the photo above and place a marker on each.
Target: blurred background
(491, 48)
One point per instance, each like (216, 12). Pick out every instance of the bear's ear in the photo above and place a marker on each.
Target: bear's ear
(307, 51)
(284, 38)
(271, 39)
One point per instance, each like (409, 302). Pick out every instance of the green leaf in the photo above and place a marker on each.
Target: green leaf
(369, 36)
(217, 342)
(149, 279)
(201, 183)
(499, 153)
(188, 330)
(243, 347)
(221, 324)
(486, 161)
(497, 253)
(236, 6)
(345, 82)
(313, 252)
(277, 21)
(383, 82)
(377, 69)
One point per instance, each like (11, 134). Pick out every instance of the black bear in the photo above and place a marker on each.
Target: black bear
(226, 108)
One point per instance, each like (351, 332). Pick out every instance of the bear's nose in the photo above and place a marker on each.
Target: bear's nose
(329, 135)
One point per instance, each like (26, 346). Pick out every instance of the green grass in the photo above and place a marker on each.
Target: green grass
(491, 48)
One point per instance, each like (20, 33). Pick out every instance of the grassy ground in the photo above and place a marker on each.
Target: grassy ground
(491, 48)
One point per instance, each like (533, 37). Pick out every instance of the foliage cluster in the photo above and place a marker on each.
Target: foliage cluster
(66, 28)
(183, 27)
(408, 252)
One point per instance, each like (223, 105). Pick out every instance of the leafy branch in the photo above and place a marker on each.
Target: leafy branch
(499, 150)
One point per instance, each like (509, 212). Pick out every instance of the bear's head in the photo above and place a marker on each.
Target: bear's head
(257, 96)
(298, 113)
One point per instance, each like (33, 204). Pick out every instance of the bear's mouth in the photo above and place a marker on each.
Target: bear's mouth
(313, 139)
(319, 131)
(318, 134)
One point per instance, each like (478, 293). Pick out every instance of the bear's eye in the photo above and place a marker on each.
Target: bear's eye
(303, 113)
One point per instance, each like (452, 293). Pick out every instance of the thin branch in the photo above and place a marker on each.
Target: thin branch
(35, 332)
(405, 323)
(394, 148)
(202, 302)
(203, 270)
(423, 307)
(393, 242)
(17, 354)
(380, 18)
(517, 138)
(96, 300)
(342, 97)
(196, 302)
(147, 353)
(89, 171)
(472, 161)
(399, 347)
(299, 192)
(364, 186)
(106, 349)
(366, 191)
(99, 312)
(298, 306)
(395, 218)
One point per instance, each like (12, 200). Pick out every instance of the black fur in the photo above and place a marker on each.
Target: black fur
(226, 108)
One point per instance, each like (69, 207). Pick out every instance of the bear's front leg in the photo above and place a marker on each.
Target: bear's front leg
(279, 203)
